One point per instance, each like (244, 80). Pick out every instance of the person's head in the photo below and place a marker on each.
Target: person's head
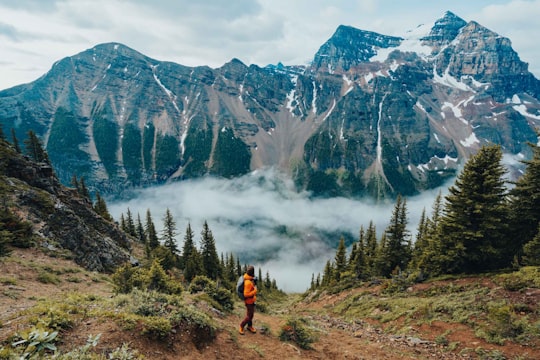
(250, 270)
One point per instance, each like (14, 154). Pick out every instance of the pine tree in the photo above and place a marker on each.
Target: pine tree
(328, 274)
(358, 263)
(75, 183)
(210, 259)
(525, 203)
(171, 256)
(531, 251)
(427, 248)
(371, 248)
(381, 260)
(34, 148)
(6, 238)
(2, 135)
(230, 269)
(15, 141)
(473, 227)
(169, 232)
(267, 281)
(100, 207)
(340, 260)
(151, 234)
(141, 235)
(130, 224)
(85, 194)
(191, 257)
(397, 250)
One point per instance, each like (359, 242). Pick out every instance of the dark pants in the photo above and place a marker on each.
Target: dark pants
(250, 311)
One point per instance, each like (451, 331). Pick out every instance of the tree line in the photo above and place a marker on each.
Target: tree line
(192, 260)
(483, 224)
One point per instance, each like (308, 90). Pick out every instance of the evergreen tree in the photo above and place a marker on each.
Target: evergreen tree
(525, 203)
(100, 207)
(210, 259)
(420, 244)
(267, 281)
(141, 236)
(426, 247)
(85, 194)
(75, 183)
(397, 250)
(130, 224)
(328, 274)
(340, 260)
(15, 141)
(2, 135)
(191, 257)
(531, 251)
(151, 234)
(169, 242)
(358, 263)
(34, 148)
(239, 271)
(6, 238)
(371, 248)
(473, 227)
(169, 232)
(381, 260)
(230, 269)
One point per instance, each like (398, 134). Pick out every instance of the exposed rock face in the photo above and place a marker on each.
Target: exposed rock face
(372, 115)
(349, 47)
(59, 216)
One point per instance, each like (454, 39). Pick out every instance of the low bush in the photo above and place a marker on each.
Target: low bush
(296, 330)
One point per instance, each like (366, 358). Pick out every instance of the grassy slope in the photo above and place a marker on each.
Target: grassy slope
(478, 317)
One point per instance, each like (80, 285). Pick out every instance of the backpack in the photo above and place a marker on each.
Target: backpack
(240, 287)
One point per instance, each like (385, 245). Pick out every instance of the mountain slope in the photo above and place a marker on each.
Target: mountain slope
(55, 217)
(372, 115)
(361, 323)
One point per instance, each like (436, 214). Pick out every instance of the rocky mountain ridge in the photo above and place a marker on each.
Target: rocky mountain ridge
(372, 115)
(60, 220)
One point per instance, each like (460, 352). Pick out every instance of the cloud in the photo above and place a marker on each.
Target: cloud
(263, 220)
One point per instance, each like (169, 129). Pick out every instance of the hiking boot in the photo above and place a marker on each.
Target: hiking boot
(252, 329)
(241, 330)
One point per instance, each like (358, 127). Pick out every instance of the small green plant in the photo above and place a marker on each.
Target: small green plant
(8, 281)
(200, 283)
(36, 342)
(156, 327)
(296, 330)
(48, 278)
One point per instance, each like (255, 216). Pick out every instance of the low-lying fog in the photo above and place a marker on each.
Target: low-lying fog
(263, 220)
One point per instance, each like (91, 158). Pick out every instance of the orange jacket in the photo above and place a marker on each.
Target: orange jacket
(250, 290)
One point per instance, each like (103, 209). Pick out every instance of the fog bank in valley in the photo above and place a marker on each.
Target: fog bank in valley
(263, 220)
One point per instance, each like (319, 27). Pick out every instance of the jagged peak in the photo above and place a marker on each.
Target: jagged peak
(450, 17)
(234, 63)
(445, 29)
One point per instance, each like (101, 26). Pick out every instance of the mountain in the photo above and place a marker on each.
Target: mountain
(55, 217)
(372, 115)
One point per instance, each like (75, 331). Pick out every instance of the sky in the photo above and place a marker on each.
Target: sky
(36, 33)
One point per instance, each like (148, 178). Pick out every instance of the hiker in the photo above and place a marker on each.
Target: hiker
(250, 296)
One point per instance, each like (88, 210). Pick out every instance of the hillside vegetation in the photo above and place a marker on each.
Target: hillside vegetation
(75, 285)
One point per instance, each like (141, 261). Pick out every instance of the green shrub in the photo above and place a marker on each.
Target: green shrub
(296, 330)
(526, 277)
(200, 283)
(48, 278)
(222, 296)
(156, 327)
(126, 278)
